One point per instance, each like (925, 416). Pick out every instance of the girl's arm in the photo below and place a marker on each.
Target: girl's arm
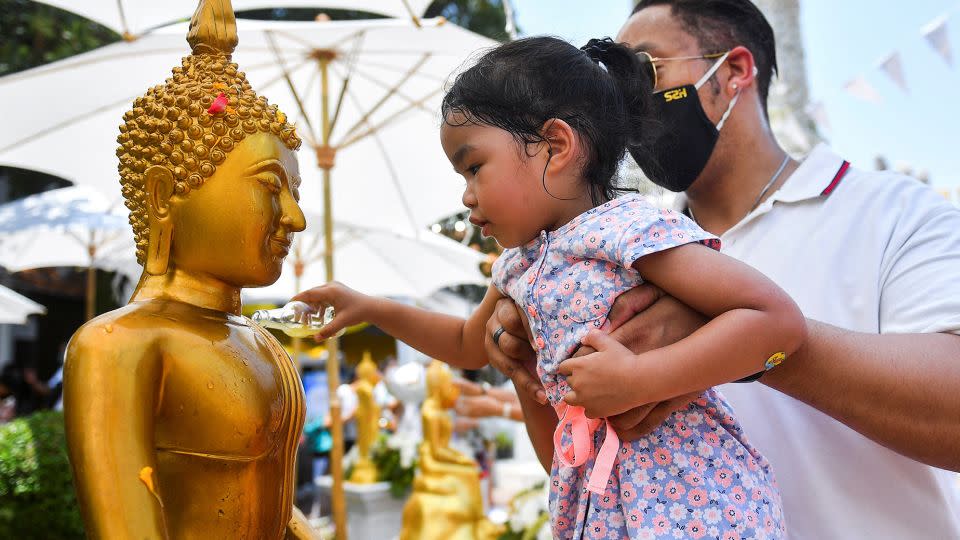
(456, 341)
(752, 319)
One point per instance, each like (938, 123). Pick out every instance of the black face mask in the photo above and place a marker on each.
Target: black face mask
(686, 137)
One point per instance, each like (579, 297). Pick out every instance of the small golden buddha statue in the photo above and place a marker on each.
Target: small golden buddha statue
(368, 421)
(446, 503)
(183, 417)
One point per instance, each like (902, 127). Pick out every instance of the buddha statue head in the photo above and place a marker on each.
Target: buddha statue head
(440, 385)
(208, 168)
(367, 370)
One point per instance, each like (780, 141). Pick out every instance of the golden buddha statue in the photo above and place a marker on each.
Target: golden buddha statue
(446, 503)
(183, 417)
(368, 421)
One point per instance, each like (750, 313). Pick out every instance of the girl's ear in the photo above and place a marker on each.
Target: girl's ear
(561, 144)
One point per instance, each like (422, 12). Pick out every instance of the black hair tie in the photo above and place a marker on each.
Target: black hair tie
(596, 49)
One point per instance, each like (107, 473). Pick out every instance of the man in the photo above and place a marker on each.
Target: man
(860, 424)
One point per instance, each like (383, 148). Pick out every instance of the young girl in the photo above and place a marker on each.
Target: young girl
(537, 128)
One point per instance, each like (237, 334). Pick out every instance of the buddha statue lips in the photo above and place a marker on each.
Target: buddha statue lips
(183, 417)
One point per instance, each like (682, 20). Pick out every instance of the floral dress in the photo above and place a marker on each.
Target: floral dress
(695, 476)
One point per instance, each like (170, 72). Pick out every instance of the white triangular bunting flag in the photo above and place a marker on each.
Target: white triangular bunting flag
(818, 112)
(938, 38)
(892, 66)
(861, 89)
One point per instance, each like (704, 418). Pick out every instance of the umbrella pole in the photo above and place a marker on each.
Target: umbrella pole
(91, 293)
(338, 498)
(297, 274)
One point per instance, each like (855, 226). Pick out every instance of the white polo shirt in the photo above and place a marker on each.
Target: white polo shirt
(867, 251)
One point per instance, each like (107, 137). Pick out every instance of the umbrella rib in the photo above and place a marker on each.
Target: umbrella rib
(413, 14)
(351, 64)
(65, 123)
(304, 43)
(391, 91)
(72, 64)
(286, 76)
(396, 182)
(123, 17)
(382, 84)
(280, 77)
(389, 264)
(373, 129)
(389, 67)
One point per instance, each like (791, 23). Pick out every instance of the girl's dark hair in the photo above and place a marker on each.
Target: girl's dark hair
(601, 90)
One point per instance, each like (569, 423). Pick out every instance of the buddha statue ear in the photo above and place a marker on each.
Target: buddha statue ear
(159, 188)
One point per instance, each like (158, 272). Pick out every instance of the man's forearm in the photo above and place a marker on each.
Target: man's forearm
(541, 422)
(900, 390)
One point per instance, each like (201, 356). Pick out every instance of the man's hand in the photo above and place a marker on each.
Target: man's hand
(478, 406)
(644, 319)
(512, 355)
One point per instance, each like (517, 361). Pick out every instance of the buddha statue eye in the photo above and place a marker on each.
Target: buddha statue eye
(269, 179)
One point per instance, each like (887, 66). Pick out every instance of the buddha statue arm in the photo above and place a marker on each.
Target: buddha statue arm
(438, 438)
(112, 384)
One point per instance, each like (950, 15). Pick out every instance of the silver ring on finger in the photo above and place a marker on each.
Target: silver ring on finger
(496, 335)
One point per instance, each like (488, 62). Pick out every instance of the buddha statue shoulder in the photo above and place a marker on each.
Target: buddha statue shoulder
(183, 417)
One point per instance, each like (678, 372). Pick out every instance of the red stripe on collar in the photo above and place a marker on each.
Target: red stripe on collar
(836, 179)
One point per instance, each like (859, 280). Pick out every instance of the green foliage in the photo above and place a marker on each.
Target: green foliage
(37, 498)
(390, 468)
(485, 17)
(34, 34)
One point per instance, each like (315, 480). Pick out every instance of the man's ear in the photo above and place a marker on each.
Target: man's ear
(742, 69)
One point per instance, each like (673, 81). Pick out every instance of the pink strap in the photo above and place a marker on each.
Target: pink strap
(581, 430)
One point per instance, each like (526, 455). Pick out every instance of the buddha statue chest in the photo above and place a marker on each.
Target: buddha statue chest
(236, 398)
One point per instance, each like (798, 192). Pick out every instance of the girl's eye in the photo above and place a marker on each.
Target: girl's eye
(473, 169)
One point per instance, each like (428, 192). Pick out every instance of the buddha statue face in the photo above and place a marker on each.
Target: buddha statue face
(367, 371)
(238, 227)
(440, 384)
(208, 168)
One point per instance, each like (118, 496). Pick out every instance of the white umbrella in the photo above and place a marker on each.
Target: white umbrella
(73, 226)
(367, 90)
(15, 308)
(390, 170)
(374, 261)
(133, 18)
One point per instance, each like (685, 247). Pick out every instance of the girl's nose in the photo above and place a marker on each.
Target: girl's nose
(468, 198)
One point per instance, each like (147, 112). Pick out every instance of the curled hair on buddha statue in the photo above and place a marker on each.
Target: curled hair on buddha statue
(192, 121)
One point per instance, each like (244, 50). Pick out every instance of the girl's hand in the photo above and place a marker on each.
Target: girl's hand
(350, 307)
(602, 382)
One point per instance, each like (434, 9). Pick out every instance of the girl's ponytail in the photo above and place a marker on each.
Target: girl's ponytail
(634, 83)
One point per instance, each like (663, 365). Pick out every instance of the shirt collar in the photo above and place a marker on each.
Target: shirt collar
(817, 176)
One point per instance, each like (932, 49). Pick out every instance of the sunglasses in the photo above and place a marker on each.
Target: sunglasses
(649, 62)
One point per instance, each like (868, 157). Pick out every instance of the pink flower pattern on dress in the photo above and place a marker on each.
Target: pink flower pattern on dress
(697, 467)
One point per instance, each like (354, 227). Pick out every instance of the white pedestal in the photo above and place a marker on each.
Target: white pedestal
(372, 512)
(511, 476)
